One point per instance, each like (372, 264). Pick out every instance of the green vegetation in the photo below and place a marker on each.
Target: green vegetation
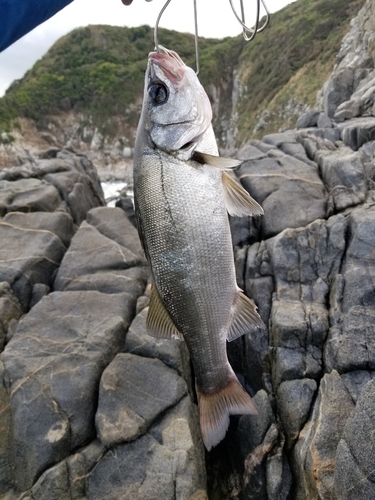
(304, 35)
(98, 71)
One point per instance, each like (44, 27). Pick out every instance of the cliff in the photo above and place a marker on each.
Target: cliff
(86, 91)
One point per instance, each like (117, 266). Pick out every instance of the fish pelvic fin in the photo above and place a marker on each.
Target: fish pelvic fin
(214, 410)
(159, 323)
(244, 317)
(237, 200)
(216, 161)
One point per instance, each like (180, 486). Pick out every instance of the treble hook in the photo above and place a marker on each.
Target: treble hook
(156, 40)
(256, 28)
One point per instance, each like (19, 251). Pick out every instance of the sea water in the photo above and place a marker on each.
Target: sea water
(113, 190)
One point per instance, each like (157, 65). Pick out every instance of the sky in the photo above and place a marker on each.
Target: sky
(215, 19)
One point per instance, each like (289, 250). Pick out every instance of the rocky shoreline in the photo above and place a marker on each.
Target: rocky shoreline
(92, 408)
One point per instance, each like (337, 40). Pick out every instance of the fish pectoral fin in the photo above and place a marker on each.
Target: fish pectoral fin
(237, 200)
(159, 323)
(215, 408)
(216, 161)
(244, 317)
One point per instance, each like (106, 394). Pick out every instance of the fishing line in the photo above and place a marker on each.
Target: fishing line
(248, 33)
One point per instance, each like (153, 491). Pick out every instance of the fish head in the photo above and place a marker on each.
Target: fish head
(178, 109)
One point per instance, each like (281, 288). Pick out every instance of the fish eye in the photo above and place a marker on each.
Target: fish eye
(158, 92)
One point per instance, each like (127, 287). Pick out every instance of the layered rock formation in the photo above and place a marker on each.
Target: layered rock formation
(93, 408)
(84, 414)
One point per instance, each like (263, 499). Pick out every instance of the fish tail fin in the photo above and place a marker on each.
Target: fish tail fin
(215, 408)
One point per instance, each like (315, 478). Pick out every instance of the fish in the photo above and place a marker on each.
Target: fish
(183, 194)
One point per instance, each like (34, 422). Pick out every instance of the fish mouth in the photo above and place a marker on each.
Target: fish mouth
(170, 63)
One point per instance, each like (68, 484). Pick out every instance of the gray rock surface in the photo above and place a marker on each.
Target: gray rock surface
(133, 392)
(69, 399)
(93, 408)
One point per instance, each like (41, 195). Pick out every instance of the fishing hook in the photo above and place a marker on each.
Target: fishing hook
(256, 29)
(156, 40)
(252, 31)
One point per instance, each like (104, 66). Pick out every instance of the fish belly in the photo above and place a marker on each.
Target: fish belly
(185, 228)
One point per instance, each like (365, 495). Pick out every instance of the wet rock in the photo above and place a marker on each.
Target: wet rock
(133, 392)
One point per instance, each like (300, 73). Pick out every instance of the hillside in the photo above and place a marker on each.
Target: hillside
(91, 80)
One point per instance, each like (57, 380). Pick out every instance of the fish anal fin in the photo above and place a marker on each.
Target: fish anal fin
(244, 317)
(159, 323)
(216, 161)
(214, 410)
(237, 200)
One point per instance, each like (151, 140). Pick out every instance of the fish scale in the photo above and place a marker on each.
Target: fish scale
(181, 201)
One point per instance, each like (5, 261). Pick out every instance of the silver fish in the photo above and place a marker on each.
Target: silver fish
(182, 199)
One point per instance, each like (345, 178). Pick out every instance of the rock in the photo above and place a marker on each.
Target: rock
(67, 479)
(66, 336)
(27, 257)
(6, 434)
(249, 152)
(324, 121)
(350, 482)
(294, 400)
(91, 253)
(343, 176)
(304, 262)
(133, 392)
(280, 183)
(359, 430)
(28, 195)
(112, 223)
(354, 472)
(10, 309)
(355, 382)
(309, 119)
(350, 341)
(256, 437)
(315, 452)
(165, 463)
(357, 132)
(338, 90)
(58, 223)
(126, 204)
(172, 352)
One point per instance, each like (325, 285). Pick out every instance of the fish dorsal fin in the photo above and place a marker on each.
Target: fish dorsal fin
(216, 161)
(237, 200)
(159, 323)
(244, 317)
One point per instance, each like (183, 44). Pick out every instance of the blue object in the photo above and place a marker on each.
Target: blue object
(18, 17)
